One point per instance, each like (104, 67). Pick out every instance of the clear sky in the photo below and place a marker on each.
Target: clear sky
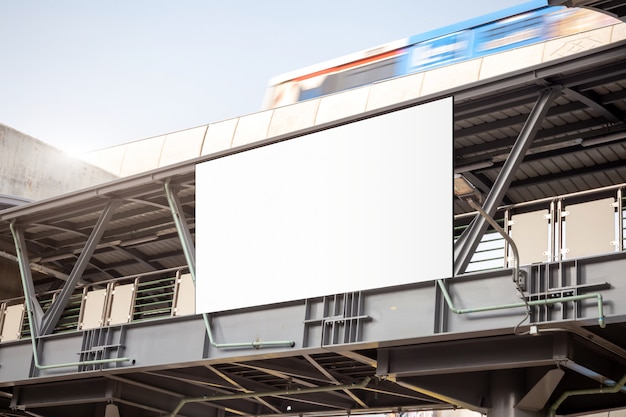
(84, 75)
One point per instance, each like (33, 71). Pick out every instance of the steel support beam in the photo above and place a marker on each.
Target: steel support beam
(184, 234)
(506, 389)
(472, 355)
(467, 243)
(442, 389)
(51, 317)
(593, 102)
(27, 277)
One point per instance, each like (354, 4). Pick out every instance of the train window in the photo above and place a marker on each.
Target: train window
(443, 50)
(521, 30)
(367, 74)
(352, 78)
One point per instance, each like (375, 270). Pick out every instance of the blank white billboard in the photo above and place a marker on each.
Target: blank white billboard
(360, 206)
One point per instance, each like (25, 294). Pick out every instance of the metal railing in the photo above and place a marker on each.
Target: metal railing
(161, 294)
(135, 298)
(492, 252)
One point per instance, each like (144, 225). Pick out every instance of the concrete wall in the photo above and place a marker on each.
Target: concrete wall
(31, 169)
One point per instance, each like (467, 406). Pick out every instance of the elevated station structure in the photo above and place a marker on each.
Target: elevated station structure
(107, 324)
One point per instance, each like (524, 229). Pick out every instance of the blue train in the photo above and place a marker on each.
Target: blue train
(514, 27)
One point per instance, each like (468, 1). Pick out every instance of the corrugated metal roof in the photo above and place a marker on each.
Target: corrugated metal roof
(568, 154)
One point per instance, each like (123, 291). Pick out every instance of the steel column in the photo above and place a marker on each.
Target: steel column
(507, 388)
(51, 317)
(468, 242)
(27, 279)
(184, 234)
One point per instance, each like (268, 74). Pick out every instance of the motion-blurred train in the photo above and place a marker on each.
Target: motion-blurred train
(517, 26)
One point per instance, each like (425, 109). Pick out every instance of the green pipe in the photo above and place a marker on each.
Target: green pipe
(29, 312)
(525, 303)
(84, 363)
(310, 390)
(189, 256)
(598, 296)
(255, 345)
(183, 233)
(603, 390)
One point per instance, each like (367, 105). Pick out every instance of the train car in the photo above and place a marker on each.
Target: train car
(514, 27)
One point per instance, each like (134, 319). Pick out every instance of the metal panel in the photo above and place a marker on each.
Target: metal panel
(12, 325)
(185, 296)
(121, 304)
(93, 309)
(15, 359)
(57, 351)
(530, 231)
(589, 228)
(480, 291)
(171, 340)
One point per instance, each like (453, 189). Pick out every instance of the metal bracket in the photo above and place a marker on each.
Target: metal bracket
(522, 279)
